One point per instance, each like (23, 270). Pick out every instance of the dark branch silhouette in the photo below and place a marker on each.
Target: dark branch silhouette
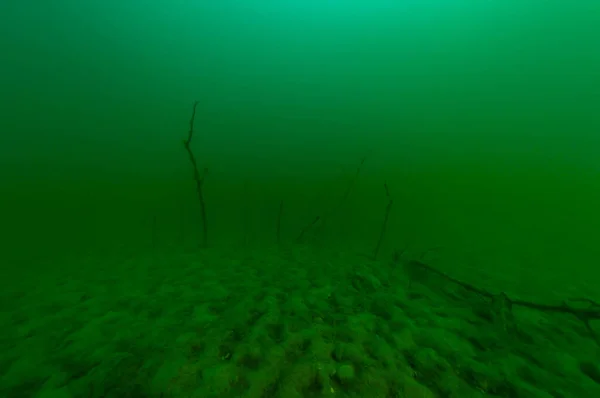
(385, 221)
(197, 176)
(589, 311)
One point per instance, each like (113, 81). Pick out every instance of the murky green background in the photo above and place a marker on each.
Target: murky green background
(482, 116)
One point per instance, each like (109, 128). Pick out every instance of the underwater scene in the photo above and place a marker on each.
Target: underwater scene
(287, 199)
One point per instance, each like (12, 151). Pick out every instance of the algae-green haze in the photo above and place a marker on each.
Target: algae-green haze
(481, 116)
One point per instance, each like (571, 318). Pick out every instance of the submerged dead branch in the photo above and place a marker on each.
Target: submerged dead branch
(338, 205)
(199, 178)
(385, 221)
(279, 214)
(584, 309)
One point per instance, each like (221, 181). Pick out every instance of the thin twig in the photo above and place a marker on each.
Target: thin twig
(587, 314)
(350, 186)
(309, 226)
(339, 204)
(279, 221)
(154, 239)
(197, 177)
(385, 221)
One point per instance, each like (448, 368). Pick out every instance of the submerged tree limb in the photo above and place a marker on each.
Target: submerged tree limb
(197, 176)
(279, 214)
(339, 204)
(385, 221)
(309, 226)
(587, 312)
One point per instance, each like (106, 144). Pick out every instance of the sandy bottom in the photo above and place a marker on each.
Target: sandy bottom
(289, 323)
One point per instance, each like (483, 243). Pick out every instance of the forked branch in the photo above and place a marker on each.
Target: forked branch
(584, 309)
